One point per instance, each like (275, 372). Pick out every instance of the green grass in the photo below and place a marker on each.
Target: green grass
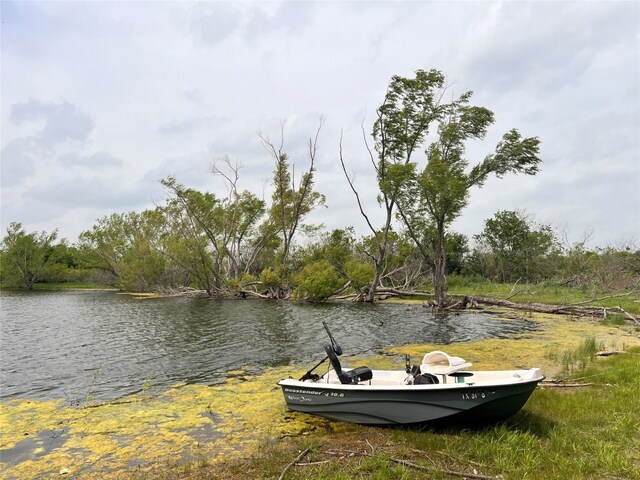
(581, 433)
(580, 358)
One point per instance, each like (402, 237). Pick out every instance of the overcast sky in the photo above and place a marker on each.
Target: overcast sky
(101, 100)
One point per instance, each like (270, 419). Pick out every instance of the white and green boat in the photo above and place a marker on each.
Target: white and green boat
(441, 389)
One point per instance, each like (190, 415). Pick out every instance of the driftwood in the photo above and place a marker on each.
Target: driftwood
(251, 293)
(401, 293)
(581, 309)
(606, 353)
(186, 292)
(563, 385)
(351, 453)
(298, 458)
(381, 293)
(442, 470)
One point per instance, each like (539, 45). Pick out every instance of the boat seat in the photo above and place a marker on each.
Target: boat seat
(425, 379)
(440, 363)
(349, 377)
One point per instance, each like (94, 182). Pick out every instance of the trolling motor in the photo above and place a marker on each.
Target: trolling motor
(336, 349)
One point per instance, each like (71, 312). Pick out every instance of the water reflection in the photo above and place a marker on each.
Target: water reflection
(66, 344)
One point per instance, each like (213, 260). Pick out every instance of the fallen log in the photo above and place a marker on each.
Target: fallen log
(577, 309)
(606, 353)
(251, 293)
(402, 293)
(563, 385)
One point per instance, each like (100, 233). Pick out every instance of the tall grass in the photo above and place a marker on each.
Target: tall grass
(578, 359)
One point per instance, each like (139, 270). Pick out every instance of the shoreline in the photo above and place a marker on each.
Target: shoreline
(229, 421)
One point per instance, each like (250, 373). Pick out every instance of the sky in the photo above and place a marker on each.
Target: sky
(99, 101)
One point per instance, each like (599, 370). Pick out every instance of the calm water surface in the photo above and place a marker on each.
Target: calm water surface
(61, 344)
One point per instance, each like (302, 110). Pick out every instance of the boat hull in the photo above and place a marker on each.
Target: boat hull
(414, 404)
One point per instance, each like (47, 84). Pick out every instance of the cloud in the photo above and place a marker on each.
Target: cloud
(505, 53)
(100, 100)
(62, 121)
(214, 22)
(95, 160)
(195, 96)
(18, 161)
(287, 18)
(179, 127)
(95, 191)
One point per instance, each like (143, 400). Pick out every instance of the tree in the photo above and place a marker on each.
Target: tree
(317, 281)
(123, 244)
(197, 237)
(243, 237)
(290, 202)
(518, 248)
(25, 256)
(336, 247)
(409, 107)
(436, 195)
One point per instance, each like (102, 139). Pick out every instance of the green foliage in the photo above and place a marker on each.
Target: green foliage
(124, 245)
(26, 257)
(317, 281)
(337, 247)
(270, 278)
(358, 273)
(517, 250)
(291, 204)
(215, 243)
(410, 105)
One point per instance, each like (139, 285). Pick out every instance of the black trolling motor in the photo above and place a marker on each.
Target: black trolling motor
(336, 349)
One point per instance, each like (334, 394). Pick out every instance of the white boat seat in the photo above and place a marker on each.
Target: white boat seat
(440, 363)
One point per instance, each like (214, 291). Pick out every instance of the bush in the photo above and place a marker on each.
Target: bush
(317, 281)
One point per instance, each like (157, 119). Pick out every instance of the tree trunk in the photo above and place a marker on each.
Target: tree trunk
(371, 292)
(440, 261)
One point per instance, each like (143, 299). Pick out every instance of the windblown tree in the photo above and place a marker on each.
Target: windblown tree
(403, 121)
(25, 256)
(291, 202)
(434, 196)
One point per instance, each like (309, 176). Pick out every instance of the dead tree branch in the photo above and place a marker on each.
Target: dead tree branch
(443, 470)
(298, 458)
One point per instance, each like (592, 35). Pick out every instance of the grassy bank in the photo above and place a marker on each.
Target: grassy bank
(589, 432)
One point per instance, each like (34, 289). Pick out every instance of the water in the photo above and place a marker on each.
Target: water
(65, 344)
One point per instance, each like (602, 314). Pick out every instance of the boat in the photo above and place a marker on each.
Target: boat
(442, 389)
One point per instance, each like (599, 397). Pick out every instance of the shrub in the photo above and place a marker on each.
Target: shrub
(317, 281)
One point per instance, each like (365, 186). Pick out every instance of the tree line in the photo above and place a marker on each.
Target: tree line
(237, 244)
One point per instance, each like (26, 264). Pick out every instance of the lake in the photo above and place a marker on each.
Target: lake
(68, 344)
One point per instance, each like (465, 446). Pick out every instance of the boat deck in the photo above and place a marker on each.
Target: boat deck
(395, 378)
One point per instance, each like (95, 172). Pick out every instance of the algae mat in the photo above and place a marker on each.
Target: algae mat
(43, 439)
